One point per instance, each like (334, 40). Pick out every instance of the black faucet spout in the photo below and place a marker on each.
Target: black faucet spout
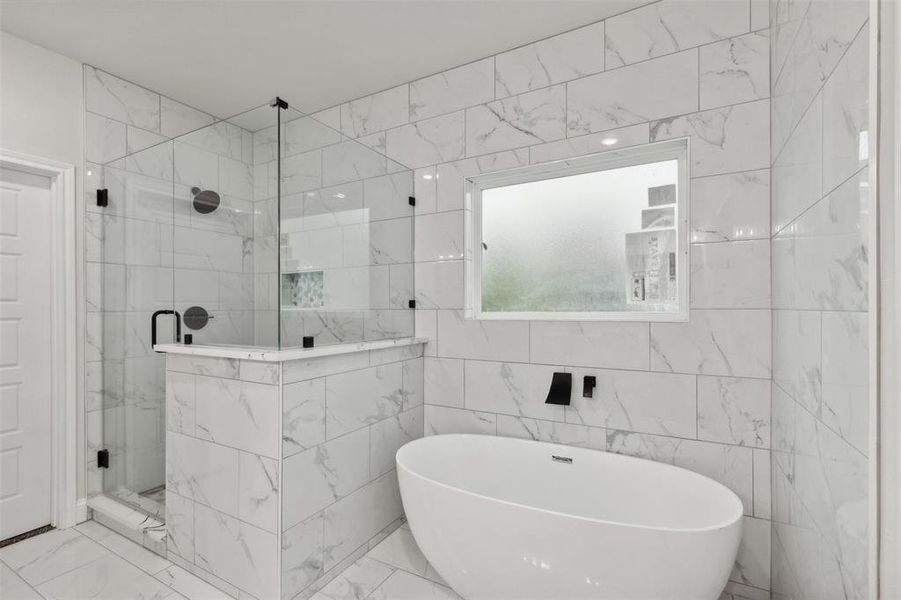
(561, 389)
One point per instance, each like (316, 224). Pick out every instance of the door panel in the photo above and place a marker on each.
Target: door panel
(25, 477)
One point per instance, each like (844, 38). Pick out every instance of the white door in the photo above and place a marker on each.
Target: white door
(25, 477)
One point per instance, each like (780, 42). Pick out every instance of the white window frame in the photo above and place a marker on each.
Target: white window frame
(676, 149)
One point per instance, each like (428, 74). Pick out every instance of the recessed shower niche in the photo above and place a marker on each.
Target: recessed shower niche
(253, 231)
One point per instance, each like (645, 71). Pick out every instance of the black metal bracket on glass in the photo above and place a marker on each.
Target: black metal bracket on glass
(412, 200)
(153, 326)
(279, 103)
(561, 389)
(103, 459)
(103, 197)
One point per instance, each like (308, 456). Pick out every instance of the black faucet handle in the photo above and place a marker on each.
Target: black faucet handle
(589, 382)
(561, 389)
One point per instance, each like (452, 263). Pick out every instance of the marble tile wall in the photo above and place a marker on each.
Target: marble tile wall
(344, 418)
(149, 249)
(820, 441)
(346, 215)
(222, 471)
(696, 394)
(287, 464)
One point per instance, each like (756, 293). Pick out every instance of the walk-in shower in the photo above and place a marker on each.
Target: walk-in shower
(258, 230)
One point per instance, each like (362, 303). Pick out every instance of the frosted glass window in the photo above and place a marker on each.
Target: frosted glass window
(601, 237)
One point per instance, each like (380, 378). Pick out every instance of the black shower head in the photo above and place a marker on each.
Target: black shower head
(205, 201)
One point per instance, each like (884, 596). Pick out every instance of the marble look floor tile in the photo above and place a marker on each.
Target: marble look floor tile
(50, 554)
(13, 587)
(401, 552)
(189, 585)
(137, 555)
(106, 578)
(357, 582)
(404, 586)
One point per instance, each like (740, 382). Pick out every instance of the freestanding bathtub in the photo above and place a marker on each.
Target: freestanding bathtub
(502, 518)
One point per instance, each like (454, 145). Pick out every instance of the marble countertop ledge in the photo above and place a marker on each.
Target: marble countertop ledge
(274, 355)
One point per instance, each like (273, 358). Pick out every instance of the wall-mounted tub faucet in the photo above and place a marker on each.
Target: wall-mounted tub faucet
(561, 389)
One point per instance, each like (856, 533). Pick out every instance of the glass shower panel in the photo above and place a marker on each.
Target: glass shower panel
(346, 237)
(223, 226)
(135, 231)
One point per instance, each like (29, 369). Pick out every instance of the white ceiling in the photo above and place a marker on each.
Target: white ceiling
(227, 56)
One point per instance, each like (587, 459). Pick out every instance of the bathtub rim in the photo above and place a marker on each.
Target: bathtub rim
(736, 501)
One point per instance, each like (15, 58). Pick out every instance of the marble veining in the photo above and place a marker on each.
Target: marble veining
(530, 118)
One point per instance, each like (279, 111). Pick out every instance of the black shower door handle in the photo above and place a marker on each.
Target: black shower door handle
(153, 326)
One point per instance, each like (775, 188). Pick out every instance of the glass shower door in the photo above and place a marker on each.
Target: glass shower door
(136, 274)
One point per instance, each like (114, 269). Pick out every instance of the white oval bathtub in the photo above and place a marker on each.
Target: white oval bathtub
(509, 519)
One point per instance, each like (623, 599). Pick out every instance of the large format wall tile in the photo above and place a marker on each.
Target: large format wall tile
(590, 344)
(714, 342)
(121, 100)
(820, 260)
(723, 140)
(452, 90)
(376, 112)
(735, 70)
(655, 89)
(523, 120)
(237, 552)
(660, 403)
(730, 275)
(730, 465)
(669, 26)
(560, 58)
(435, 140)
(731, 207)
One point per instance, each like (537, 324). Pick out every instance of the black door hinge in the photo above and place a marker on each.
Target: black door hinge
(103, 197)
(412, 200)
(411, 303)
(103, 459)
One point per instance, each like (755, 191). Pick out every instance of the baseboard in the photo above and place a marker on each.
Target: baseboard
(81, 511)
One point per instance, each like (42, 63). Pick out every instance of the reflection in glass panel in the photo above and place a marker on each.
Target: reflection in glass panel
(346, 225)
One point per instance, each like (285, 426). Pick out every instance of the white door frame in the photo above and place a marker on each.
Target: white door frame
(885, 96)
(62, 346)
